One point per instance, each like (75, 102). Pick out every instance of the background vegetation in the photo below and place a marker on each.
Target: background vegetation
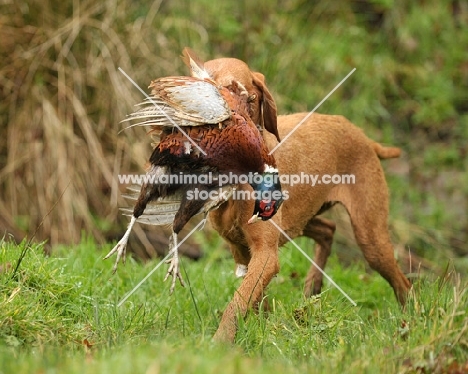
(62, 97)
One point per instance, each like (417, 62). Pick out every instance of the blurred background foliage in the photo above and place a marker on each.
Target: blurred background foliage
(62, 97)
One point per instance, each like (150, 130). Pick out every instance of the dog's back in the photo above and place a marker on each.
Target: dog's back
(328, 148)
(332, 137)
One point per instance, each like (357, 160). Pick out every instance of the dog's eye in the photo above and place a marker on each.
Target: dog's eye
(251, 98)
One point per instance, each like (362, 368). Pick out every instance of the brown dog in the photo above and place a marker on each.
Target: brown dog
(323, 145)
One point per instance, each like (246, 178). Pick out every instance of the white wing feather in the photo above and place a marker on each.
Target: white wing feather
(181, 101)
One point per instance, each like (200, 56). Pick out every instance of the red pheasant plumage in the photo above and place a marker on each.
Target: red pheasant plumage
(234, 145)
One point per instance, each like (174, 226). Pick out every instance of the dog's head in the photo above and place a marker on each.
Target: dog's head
(262, 106)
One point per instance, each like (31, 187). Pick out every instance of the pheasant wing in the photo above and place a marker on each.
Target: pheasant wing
(159, 212)
(182, 101)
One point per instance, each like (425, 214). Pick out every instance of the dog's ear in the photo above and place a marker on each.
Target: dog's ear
(268, 105)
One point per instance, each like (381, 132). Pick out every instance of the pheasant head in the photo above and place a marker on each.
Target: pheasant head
(268, 195)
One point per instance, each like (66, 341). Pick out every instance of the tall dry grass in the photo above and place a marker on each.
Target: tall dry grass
(61, 101)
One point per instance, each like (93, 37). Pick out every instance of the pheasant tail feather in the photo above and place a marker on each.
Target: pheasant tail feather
(194, 63)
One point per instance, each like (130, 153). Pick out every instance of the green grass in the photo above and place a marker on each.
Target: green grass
(60, 314)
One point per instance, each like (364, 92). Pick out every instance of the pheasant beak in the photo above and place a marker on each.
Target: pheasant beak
(254, 218)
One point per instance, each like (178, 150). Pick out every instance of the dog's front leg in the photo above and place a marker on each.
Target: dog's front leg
(263, 266)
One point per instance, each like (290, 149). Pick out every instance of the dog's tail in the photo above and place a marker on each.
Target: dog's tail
(386, 152)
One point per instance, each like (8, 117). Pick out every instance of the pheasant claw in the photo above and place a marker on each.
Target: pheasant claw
(174, 268)
(121, 246)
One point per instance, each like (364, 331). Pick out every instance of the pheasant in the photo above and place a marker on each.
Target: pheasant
(202, 128)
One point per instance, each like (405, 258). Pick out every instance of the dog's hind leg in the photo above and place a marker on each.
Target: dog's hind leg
(367, 205)
(321, 230)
